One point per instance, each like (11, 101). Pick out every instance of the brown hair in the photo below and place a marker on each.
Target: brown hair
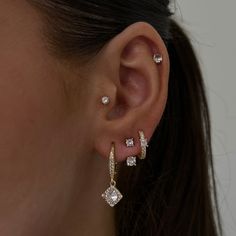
(173, 191)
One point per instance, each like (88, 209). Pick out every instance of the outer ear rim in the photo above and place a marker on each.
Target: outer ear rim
(121, 40)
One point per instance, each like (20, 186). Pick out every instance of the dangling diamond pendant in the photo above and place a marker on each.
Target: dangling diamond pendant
(112, 195)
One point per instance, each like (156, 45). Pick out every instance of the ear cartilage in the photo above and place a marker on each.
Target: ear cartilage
(105, 100)
(157, 58)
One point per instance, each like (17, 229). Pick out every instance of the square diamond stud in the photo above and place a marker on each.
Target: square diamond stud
(131, 161)
(112, 196)
(129, 142)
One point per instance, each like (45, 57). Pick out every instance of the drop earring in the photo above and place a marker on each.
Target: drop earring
(143, 144)
(157, 58)
(112, 195)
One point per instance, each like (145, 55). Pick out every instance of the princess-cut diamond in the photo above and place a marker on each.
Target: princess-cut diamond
(129, 142)
(112, 196)
(131, 161)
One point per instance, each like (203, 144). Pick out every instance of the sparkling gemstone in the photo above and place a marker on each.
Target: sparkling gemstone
(129, 142)
(105, 100)
(131, 161)
(144, 142)
(157, 58)
(112, 196)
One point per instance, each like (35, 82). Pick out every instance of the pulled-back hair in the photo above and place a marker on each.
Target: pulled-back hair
(172, 192)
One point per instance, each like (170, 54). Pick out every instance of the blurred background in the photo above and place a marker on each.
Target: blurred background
(211, 27)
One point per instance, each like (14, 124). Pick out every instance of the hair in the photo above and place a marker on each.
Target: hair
(173, 191)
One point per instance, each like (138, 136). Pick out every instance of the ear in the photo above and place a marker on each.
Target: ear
(137, 88)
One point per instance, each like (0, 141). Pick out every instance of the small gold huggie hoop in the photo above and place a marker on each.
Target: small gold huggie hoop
(143, 144)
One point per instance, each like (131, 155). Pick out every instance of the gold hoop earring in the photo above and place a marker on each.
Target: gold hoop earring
(143, 144)
(112, 195)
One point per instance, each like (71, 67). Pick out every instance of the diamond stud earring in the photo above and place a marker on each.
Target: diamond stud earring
(131, 161)
(129, 142)
(105, 100)
(143, 144)
(112, 195)
(157, 58)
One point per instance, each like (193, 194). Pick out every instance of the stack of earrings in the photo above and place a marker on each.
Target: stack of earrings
(112, 195)
(131, 160)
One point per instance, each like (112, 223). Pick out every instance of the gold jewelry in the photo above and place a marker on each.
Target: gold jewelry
(112, 195)
(143, 144)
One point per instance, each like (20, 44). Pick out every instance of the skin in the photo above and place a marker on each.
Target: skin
(55, 135)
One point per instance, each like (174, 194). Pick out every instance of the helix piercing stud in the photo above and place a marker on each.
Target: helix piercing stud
(157, 58)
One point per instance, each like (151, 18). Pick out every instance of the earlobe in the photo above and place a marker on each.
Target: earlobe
(140, 69)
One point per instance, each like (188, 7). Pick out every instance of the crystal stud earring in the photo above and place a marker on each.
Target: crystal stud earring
(131, 161)
(105, 100)
(143, 144)
(157, 58)
(112, 195)
(129, 142)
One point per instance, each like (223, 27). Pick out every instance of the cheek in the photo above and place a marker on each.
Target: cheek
(36, 132)
(31, 94)
(31, 100)
(32, 108)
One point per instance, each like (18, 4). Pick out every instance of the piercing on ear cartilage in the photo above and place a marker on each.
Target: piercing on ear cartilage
(105, 100)
(143, 144)
(157, 58)
(112, 195)
(129, 142)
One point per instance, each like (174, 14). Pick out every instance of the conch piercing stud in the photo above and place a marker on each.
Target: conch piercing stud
(105, 100)
(112, 195)
(143, 144)
(157, 58)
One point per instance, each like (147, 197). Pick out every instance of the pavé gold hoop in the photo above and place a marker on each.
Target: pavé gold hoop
(143, 144)
(112, 195)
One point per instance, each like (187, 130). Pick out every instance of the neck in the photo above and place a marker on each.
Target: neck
(69, 203)
(88, 213)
